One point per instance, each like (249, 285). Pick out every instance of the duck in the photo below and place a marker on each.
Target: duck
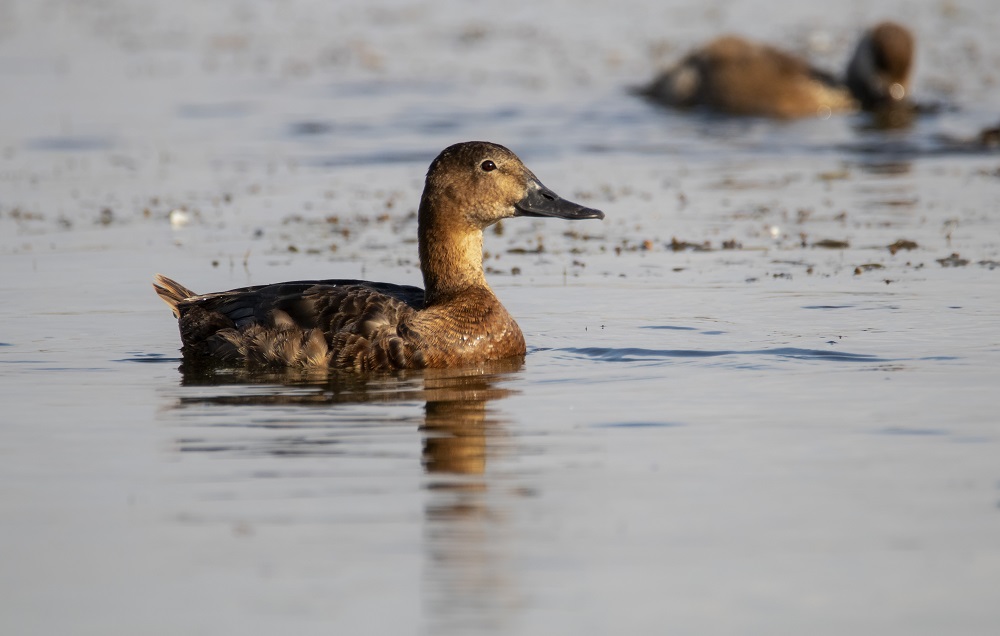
(455, 320)
(736, 76)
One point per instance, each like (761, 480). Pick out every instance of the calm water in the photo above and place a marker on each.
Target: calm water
(740, 412)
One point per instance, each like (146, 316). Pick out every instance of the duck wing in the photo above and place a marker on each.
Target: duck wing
(340, 323)
(309, 303)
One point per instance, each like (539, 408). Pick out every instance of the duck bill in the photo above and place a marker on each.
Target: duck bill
(540, 201)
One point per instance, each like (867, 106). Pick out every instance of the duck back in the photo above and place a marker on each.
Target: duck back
(323, 323)
(736, 76)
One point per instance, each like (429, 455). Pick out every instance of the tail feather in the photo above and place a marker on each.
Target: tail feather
(171, 292)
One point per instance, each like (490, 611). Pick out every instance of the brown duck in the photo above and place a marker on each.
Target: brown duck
(739, 77)
(349, 324)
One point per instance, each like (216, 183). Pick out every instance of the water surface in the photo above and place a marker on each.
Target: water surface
(760, 397)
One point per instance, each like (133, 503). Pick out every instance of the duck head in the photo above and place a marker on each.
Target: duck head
(469, 187)
(879, 72)
(478, 183)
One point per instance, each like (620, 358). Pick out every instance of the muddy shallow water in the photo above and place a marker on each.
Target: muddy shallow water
(760, 397)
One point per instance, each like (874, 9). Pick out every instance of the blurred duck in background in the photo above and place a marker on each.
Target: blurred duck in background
(735, 76)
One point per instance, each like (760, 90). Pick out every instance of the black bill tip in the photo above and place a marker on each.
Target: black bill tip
(540, 201)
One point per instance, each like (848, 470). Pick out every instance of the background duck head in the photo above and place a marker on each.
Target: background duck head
(878, 74)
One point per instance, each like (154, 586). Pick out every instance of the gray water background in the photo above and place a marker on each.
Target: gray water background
(767, 436)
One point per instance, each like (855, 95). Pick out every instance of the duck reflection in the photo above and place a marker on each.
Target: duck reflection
(455, 437)
(466, 585)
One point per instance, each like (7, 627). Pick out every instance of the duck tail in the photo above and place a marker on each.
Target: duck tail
(171, 292)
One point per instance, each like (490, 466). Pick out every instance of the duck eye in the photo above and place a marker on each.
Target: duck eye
(488, 166)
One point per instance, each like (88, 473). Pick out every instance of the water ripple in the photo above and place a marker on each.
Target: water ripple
(639, 425)
(150, 357)
(635, 354)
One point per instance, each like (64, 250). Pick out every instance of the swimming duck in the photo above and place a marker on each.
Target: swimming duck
(456, 320)
(739, 77)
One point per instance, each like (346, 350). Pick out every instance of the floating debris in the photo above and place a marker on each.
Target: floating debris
(524, 250)
(178, 218)
(834, 175)
(831, 244)
(680, 246)
(573, 234)
(23, 215)
(867, 267)
(899, 203)
(953, 261)
(902, 244)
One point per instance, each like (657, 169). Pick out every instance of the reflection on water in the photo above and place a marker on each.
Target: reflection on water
(467, 584)
(468, 587)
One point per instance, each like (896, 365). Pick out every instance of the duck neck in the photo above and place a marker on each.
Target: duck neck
(451, 255)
